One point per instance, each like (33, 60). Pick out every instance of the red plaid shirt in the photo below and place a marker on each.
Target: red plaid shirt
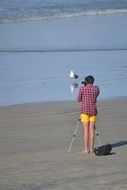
(88, 96)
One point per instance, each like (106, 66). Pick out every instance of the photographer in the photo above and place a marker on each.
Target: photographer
(88, 97)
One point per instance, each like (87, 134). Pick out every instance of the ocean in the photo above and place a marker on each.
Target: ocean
(22, 10)
(41, 41)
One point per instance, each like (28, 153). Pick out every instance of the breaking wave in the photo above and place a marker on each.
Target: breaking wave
(65, 15)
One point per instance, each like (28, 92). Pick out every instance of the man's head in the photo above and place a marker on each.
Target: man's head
(89, 79)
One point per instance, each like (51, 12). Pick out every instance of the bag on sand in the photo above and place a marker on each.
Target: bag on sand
(103, 150)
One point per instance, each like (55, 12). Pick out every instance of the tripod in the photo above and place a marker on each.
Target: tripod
(74, 134)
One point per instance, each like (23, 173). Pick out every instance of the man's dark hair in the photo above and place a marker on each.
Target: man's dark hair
(89, 79)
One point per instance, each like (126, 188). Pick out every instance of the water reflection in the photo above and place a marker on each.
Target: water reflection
(73, 86)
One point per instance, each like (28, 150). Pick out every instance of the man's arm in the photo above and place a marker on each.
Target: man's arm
(79, 98)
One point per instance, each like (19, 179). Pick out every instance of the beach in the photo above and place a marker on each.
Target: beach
(34, 142)
(40, 43)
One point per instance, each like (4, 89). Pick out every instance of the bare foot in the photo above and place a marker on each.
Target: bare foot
(91, 151)
(85, 151)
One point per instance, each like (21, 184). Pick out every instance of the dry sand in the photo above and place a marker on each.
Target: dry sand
(34, 139)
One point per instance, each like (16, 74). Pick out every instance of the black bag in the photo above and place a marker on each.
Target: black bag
(103, 150)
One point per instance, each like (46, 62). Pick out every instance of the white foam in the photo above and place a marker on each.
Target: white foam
(66, 15)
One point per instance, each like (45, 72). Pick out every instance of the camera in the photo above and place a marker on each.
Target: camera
(84, 82)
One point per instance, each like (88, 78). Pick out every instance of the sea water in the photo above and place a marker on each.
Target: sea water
(36, 57)
(22, 10)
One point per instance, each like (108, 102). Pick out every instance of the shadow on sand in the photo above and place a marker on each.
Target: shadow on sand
(120, 143)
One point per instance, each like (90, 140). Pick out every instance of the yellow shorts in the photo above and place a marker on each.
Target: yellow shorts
(88, 118)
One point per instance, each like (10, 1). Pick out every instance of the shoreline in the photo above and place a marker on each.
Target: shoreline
(25, 104)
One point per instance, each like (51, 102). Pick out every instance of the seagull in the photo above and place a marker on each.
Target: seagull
(72, 75)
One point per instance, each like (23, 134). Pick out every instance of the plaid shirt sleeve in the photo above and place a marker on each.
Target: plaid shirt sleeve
(80, 94)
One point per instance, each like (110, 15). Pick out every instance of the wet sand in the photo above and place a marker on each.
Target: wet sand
(34, 140)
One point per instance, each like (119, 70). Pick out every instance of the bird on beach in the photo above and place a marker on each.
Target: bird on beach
(72, 75)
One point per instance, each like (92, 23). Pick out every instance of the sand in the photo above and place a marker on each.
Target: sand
(34, 140)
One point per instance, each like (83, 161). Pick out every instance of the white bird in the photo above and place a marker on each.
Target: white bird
(72, 75)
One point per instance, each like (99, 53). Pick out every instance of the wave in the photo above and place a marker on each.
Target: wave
(66, 15)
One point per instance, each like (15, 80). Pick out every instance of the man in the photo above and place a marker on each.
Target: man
(88, 97)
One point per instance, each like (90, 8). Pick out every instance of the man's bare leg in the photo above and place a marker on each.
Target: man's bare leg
(91, 136)
(86, 137)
